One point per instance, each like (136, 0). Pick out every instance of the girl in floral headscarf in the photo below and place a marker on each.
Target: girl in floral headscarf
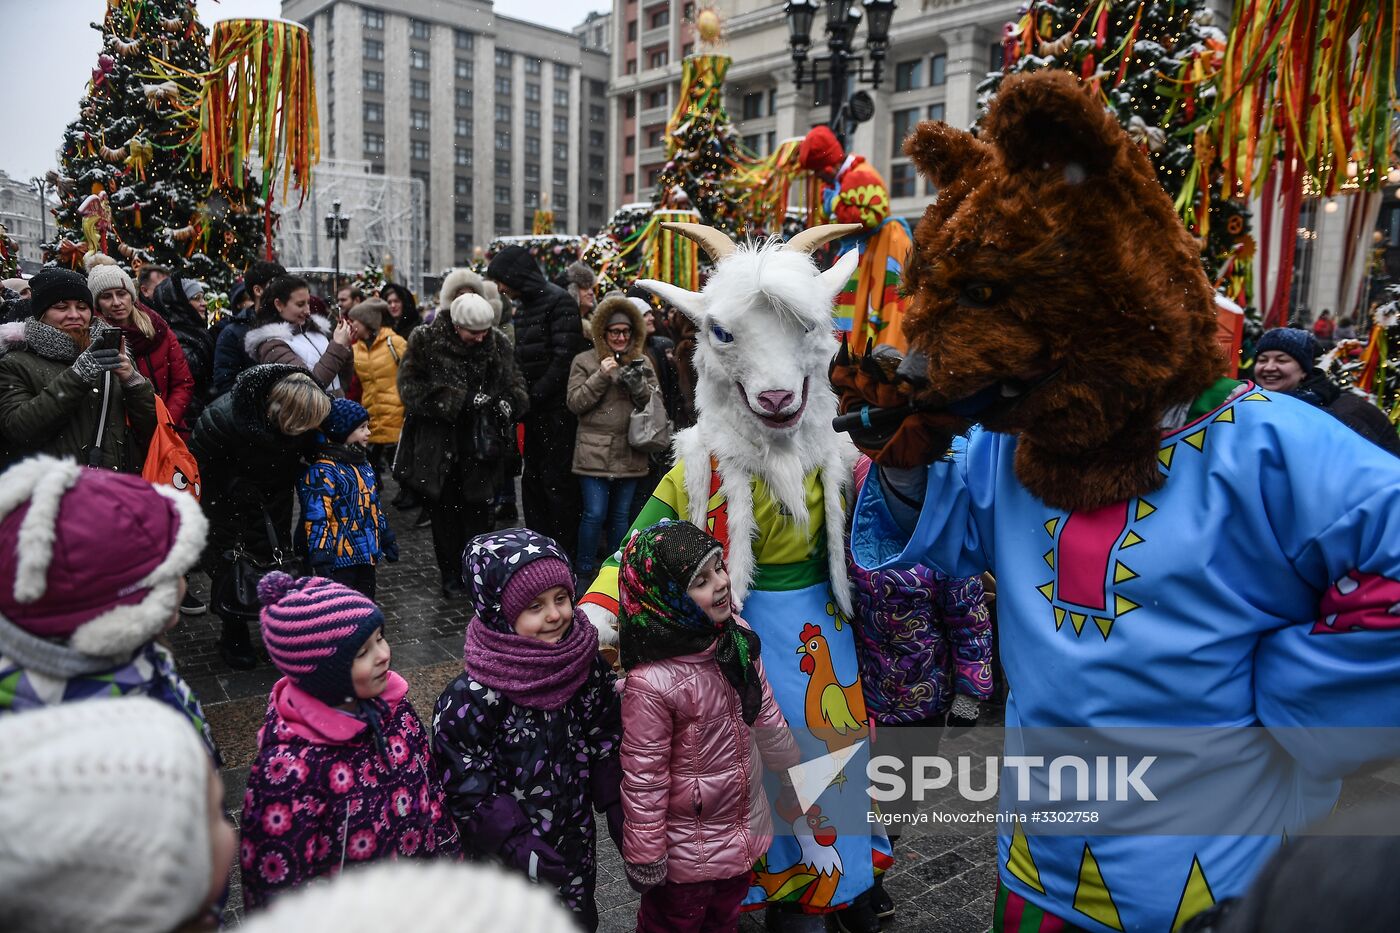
(527, 734)
(696, 714)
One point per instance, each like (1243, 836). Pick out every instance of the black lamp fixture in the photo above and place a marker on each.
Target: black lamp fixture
(337, 228)
(841, 62)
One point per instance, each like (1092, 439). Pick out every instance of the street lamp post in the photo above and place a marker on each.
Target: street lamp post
(42, 186)
(842, 61)
(337, 228)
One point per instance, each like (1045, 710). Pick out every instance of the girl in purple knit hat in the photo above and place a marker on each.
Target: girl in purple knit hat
(528, 734)
(344, 772)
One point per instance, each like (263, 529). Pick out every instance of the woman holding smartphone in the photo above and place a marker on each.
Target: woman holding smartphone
(67, 387)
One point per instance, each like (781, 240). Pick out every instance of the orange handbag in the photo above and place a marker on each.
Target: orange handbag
(168, 461)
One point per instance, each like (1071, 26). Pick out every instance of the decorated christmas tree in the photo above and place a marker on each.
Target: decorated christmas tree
(1155, 64)
(131, 183)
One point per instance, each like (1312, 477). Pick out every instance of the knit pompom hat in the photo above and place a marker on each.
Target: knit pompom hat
(104, 805)
(313, 628)
(1297, 343)
(371, 312)
(532, 580)
(440, 897)
(62, 578)
(104, 273)
(472, 312)
(346, 415)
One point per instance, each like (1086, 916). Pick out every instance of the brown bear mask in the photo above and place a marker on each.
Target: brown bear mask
(1053, 276)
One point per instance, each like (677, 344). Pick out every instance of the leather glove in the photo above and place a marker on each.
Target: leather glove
(962, 716)
(504, 407)
(536, 858)
(918, 439)
(91, 364)
(643, 878)
(481, 400)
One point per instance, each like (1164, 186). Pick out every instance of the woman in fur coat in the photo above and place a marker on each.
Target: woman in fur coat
(286, 331)
(459, 371)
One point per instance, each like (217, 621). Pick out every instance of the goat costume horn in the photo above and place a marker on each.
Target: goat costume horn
(816, 237)
(711, 240)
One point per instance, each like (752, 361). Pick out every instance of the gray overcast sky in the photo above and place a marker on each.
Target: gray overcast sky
(50, 52)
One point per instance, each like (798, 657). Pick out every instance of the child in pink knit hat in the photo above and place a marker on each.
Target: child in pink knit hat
(344, 770)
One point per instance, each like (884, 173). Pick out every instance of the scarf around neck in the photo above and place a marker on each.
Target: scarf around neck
(659, 620)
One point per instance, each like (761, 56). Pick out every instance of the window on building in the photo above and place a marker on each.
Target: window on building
(502, 194)
(372, 19)
(464, 69)
(464, 40)
(374, 144)
(629, 184)
(376, 168)
(652, 176)
(462, 156)
(595, 139)
(561, 177)
(752, 143)
(462, 213)
(374, 113)
(901, 125)
(561, 152)
(502, 166)
(938, 70)
(936, 111)
(689, 9)
(752, 107)
(462, 185)
(655, 134)
(532, 119)
(630, 108)
(532, 171)
(772, 142)
(561, 200)
(532, 198)
(632, 30)
(532, 92)
(503, 58)
(658, 58)
(561, 97)
(533, 66)
(532, 146)
(418, 119)
(661, 17)
(374, 80)
(464, 98)
(503, 140)
(598, 88)
(656, 98)
(462, 126)
(462, 242)
(630, 146)
(906, 74)
(503, 85)
(418, 58)
(596, 113)
(418, 90)
(418, 149)
(595, 212)
(561, 125)
(419, 29)
(996, 56)
(902, 180)
(502, 223)
(687, 49)
(503, 113)
(595, 161)
(374, 50)
(631, 68)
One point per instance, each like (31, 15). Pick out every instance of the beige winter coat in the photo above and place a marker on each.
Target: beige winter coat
(602, 403)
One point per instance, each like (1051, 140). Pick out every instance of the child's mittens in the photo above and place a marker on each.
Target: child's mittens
(605, 786)
(389, 546)
(643, 878)
(538, 859)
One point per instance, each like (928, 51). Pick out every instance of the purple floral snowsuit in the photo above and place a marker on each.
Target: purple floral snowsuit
(315, 805)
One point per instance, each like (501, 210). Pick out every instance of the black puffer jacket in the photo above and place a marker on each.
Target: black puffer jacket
(547, 331)
(246, 464)
(195, 339)
(439, 381)
(1350, 409)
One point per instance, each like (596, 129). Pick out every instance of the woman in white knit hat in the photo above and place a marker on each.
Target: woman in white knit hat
(111, 820)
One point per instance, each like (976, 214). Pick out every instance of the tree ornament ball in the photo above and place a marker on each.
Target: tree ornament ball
(707, 24)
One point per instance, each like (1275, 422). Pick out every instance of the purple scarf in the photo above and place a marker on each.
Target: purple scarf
(527, 671)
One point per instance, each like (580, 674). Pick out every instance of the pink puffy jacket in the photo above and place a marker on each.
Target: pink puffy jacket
(687, 759)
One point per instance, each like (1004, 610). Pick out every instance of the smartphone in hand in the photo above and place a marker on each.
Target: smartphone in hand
(108, 340)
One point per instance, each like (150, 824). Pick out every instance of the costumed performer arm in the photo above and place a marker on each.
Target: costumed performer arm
(646, 781)
(490, 823)
(1338, 665)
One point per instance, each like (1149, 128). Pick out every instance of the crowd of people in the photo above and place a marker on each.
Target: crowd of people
(295, 411)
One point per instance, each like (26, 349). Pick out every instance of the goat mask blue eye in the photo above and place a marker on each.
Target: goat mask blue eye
(722, 335)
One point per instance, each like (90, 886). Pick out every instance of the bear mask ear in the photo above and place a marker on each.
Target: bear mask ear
(1047, 120)
(942, 153)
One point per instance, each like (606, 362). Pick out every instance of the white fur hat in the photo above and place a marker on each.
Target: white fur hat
(104, 273)
(435, 897)
(104, 813)
(473, 312)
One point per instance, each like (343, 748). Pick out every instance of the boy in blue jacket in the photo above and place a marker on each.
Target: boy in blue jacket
(344, 530)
